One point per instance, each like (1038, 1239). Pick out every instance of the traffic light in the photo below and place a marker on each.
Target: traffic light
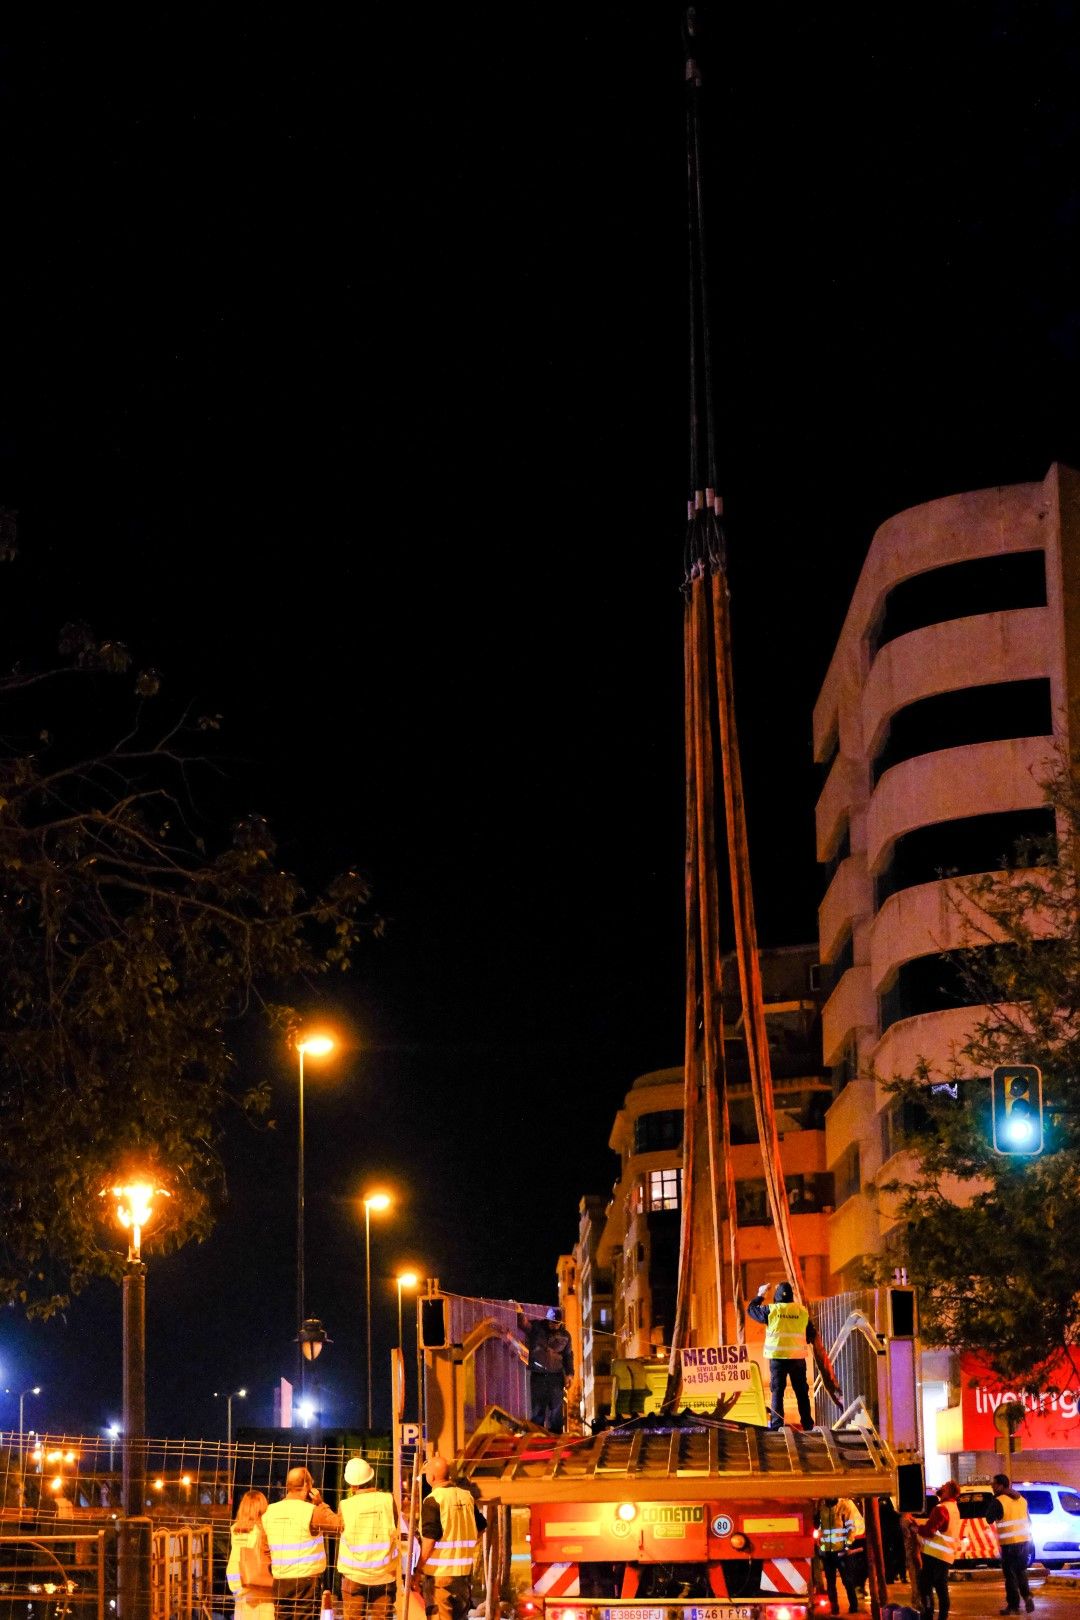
(1016, 1094)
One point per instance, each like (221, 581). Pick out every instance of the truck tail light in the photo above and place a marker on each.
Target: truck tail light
(786, 1611)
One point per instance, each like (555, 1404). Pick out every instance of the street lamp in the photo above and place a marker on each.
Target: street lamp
(237, 1395)
(35, 1390)
(134, 1209)
(114, 1432)
(377, 1201)
(316, 1046)
(404, 1279)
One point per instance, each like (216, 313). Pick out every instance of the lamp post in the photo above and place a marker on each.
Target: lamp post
(114, 1432)
(376, 1201)
(134, 1208)
(237, 1395)
(404, 1279)
(34, 1390)
(316, 1046)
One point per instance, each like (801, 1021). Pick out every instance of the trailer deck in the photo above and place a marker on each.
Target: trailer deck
(673, 1459)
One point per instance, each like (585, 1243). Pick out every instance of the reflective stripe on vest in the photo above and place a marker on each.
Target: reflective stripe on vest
(835, 1530)
(943, 1543)
(1015, 1527)
(294, 1550)
(453, 1553)
(368, 1550)
(785, 1335)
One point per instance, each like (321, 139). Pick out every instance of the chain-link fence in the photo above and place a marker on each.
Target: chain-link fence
(60, 1503)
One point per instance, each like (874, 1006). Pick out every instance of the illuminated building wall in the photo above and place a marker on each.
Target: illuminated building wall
(957, 668)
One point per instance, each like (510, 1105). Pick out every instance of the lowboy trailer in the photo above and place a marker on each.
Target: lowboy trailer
(673, 1518)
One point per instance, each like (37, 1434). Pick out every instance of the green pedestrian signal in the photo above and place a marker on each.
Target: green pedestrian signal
(1016, 1095)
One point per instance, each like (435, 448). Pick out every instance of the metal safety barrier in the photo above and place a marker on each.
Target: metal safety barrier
(182, 1573)
(52, 1577)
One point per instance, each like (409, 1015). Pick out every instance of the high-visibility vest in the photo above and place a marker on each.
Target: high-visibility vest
(455, 1550)
(785, 1335)
(295, 1551)
(837, 1529)
(240, 1539)
(943, 1544)
(368, 1549)
(1015, 1526)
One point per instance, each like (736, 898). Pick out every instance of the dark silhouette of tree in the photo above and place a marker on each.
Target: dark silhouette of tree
(137, 931)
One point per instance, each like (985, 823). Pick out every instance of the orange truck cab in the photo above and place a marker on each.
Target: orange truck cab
(673, 1518)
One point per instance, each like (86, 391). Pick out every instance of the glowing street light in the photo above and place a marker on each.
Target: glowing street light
(34, 1390)
(134, 1208)
(375, 1201)
(404, 1279)
(237, 1395)
(316, 1046)
(134, 1211)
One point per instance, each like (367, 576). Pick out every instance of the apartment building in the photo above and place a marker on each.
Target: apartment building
(956, 672)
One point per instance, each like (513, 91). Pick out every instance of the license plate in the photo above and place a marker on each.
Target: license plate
(682, 1611)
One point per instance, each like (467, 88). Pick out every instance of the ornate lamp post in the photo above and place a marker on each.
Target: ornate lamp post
(134, 1208)
(377, 1201)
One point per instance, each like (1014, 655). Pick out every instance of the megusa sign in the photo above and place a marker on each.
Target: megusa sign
(1052, 1421)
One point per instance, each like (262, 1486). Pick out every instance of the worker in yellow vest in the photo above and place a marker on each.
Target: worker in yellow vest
(1008, 1513)
(293, 1529)
(369, 1557)
(788, 1333)
(839, 1523)
(940, 1540)
(450, 1527)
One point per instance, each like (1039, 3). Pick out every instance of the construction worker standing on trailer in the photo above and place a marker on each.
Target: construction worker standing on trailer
(788, 1333)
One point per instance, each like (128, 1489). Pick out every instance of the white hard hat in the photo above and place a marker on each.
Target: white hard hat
(358, 1472)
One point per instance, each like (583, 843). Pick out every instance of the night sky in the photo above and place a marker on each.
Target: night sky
(346, 381)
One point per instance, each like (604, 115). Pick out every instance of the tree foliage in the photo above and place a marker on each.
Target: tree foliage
(135, 935)
(1000, 1274)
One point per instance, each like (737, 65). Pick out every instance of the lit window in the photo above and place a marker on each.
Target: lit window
(663, 1189)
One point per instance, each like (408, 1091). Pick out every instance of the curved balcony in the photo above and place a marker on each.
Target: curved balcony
(844, 788)
(853, 1231)
(979, 779)
(850, 1118)
(848, 896)
(979, 651)
(935, 1037)
(850, 1007)
(928, 919)
(953, 529)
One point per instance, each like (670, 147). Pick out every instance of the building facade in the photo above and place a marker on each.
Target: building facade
(956, 674)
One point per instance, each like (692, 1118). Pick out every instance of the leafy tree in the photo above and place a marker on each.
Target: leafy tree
(135, 935)
(999, 1274)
